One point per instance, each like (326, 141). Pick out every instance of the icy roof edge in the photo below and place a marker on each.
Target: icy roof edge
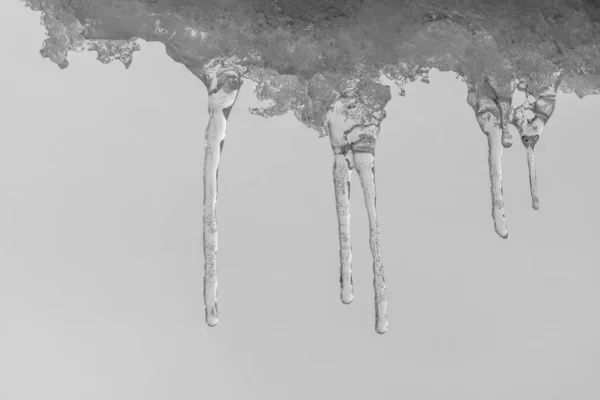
(303, 65)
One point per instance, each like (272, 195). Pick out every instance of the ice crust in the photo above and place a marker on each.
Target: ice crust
(302, 54)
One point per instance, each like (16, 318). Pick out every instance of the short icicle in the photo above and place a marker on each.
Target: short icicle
(489, 117)
(505, 108)
(531, 129)
(223, 85)
(535, 200)
(495, 149)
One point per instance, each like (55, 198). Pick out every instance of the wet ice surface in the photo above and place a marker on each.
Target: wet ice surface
(101, 232)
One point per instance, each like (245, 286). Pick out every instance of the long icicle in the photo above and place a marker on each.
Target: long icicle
(365, 166)
(342, 170)
(495, 149)
(489, 116)
(223, 86)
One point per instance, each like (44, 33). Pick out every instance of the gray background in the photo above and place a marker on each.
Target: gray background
(101, 246)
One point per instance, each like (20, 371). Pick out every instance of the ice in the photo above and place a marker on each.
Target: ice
(353, 134)
(489, 117)
(223, 86)
(535, 199)
(365, 166)
(325, 73)
(342, 168)
(530, 118)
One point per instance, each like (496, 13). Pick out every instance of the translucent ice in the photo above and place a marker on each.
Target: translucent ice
(223, 85)
(530, 118)
(304, 56)
(353, 134)
(489, 117)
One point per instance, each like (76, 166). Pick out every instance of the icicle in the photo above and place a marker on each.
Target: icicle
(489, 117)
(505, 108)
(341, 171)
(353, 143)
(223, 86)
(341, 176)
(342, 168)
(504, 104)
(365, 166)
(530, 130)
(535, 200)
(495, 150)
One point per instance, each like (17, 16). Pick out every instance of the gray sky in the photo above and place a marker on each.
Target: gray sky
(101, 246)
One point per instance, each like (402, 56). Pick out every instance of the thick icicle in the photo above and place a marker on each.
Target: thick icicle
(531, 129)
(353, 142)
(223, 86)
(489, 117)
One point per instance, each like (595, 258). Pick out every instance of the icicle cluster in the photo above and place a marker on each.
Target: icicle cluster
(324, 61)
